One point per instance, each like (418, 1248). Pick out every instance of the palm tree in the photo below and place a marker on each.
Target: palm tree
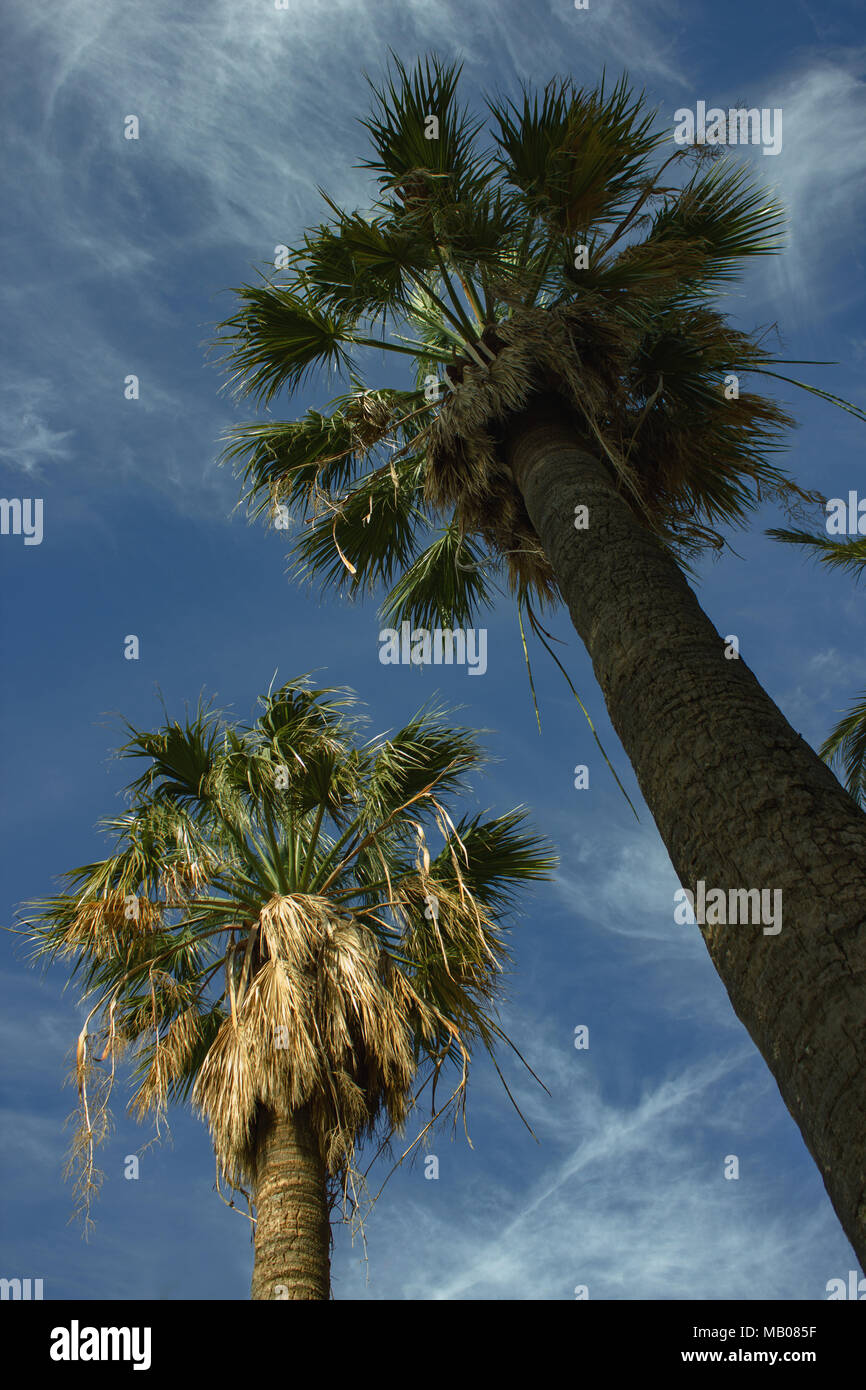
(576, 426)
(272, 937)
(845, 745)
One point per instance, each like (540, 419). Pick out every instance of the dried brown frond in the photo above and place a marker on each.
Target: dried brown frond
(108, 925)
(319, 1024)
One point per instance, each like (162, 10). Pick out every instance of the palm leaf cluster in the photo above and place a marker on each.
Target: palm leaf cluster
(275, 926)
(465, 264)
(845, 746)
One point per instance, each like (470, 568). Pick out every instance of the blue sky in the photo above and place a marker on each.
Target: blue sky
(118, 256)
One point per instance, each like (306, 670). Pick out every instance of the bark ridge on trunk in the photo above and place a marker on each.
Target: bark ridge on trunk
(292, 1239)
(739, 798)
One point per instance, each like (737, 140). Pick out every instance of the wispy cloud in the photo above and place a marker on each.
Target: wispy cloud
(222, 95)
(642, 37)
(830, 682)
(621, 883)
(820, 175)
(630, 1206)
(27, 440)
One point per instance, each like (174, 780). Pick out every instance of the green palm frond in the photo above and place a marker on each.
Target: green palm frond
(418, 169)
(293, 461)
(578, 157)
(181, 755)
(428, 747)
(286, 461)
(478, 234)
(363, 266)
(722, 215)
(279, 335)
(446, 585)
(849, 407)
(848, 554)
(360, 539)
(499, 855)
(845, 747)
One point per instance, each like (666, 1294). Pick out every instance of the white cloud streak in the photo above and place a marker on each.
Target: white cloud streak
(630, 1205)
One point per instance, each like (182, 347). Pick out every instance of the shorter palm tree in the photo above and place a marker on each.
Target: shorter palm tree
(273, 937)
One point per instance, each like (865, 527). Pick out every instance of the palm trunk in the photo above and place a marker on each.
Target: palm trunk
(292, 1229)
(739, 798)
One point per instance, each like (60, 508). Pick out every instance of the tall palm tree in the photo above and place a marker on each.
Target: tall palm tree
(845, 745)
(576, 426)
(273, 937)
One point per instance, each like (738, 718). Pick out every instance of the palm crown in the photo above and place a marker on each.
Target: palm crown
(558, 258)
(272, 929)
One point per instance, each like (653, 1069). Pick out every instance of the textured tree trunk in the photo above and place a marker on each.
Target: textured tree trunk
(292, 1228)
(739, 798)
